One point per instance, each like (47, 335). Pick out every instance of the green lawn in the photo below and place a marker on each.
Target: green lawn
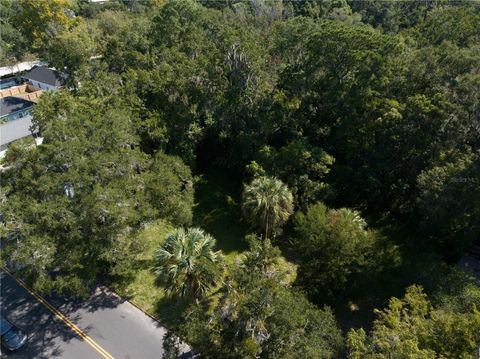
(217, 210)
(139, 284)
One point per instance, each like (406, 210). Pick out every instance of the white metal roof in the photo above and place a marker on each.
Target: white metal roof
(20, 67)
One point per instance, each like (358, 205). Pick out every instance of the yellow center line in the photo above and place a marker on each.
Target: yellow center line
(62, 317)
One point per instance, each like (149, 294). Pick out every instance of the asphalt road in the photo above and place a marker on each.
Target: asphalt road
(109, 326)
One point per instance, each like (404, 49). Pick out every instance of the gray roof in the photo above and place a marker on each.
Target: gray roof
(14, 130)
(44, 75)
(11, 104)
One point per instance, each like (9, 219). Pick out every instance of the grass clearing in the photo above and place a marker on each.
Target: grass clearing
(217, 211)
(139, 285)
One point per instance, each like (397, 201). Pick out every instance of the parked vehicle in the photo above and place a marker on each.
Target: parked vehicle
(11, 337)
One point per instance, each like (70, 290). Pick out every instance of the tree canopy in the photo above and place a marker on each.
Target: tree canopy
(258, 316)
(186, 262)
(76, 199)
(267, 202)
(411, 327)
(347, 131)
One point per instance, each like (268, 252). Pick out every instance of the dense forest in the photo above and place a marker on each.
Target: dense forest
(305, 174)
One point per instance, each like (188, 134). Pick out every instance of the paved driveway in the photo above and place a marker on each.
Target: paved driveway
(109, 326)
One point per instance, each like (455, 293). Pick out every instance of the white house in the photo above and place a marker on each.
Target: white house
(43, 78)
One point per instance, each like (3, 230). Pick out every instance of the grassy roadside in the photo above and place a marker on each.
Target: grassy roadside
(139, 285)
(217, 211)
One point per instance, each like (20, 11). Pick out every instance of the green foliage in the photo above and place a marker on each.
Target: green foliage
(78, 198)
(171, 346)
(411, 327)
(393, 16)
(169, 187)
(337, 73)
(449, 199)
(70, 51)
(88, 10)
(369, 105)
(187, 264)
(458, 24)
(206, 78)
(268, 203)
(218, 210)
(17, 150)
(329, 9)
(123, 40)
(180, 84)
(143, 7)
(302, 167)
(13, 44)
(39, 20)
(336, 250)
(345, 60)
(139, 283)
(258, 317)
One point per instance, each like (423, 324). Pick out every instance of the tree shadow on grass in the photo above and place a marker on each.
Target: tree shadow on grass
(218, 209)
(120, 282)
(170, 310)
(425, 269)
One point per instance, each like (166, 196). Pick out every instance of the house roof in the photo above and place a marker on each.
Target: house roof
(14, 130)
(11, 104)
(21, 66)
(44, 75)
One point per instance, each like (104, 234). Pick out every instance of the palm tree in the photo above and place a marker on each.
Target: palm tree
(268, 203)
(186, 262)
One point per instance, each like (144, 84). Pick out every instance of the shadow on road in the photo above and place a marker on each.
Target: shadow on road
(40, 325)
(115, 325)
(98, 299)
